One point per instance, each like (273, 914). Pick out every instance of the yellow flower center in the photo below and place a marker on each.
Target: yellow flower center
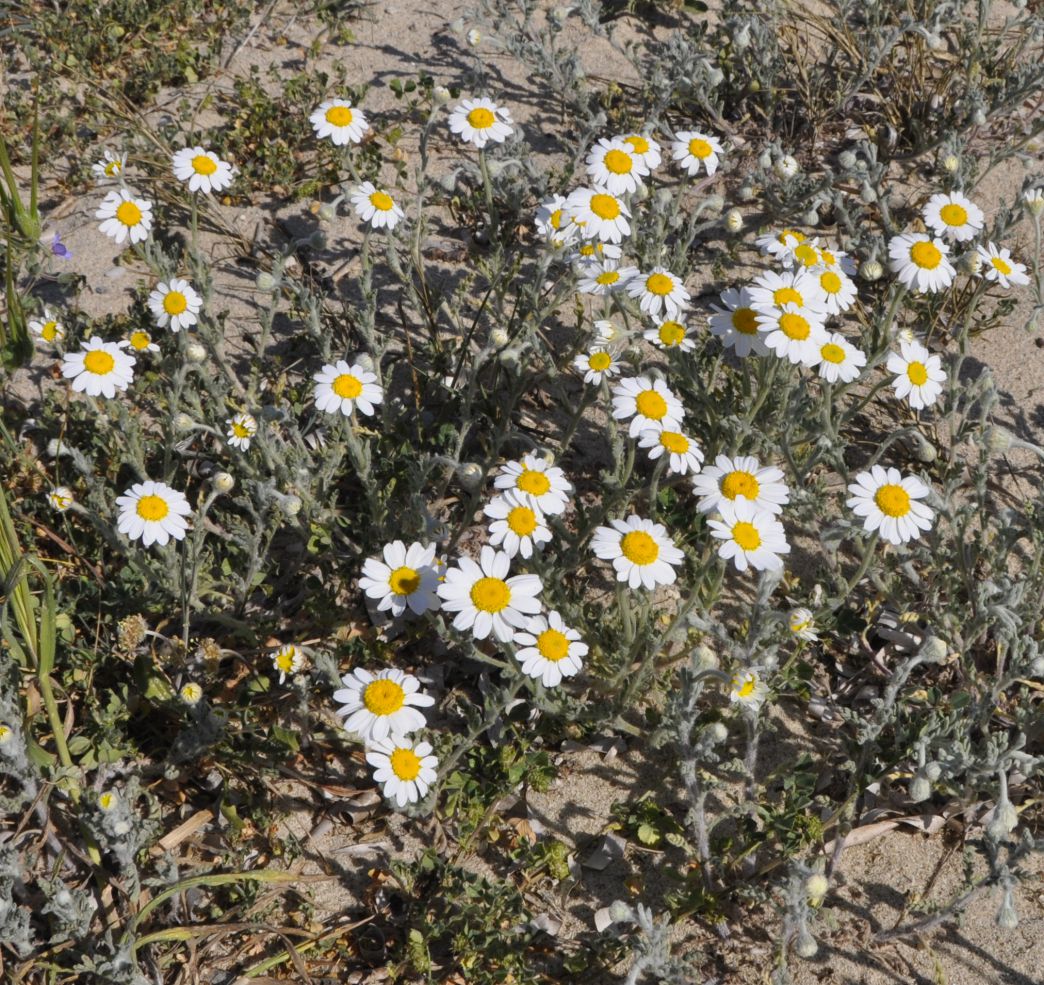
(926, 255)
(672, 333)
(521, 521)
(917, 373)
(383, 697)
(107, 801)
(740, 483)
(675, 443)
(639, 547)
(204, 164)
(794, 326)
(700, 148)
(152, 508)
(618, 162)
(786, 295)
(828, 258)
(953, 214)
(660, 284)
(49, 331)
(405, 764)
(404, 581)
(533, 482)
(481, 118)
(999, 263)
(640, 144)
(98, 361)
(128, 213)
(241, 430)
(112, 169)
(790, 234)
(339, 116)
(140, 340)
(607, 277)
(745, 320)
(746, 535)
(553, 645)
(556, 219)
(605, 206)
(808, 255)
(588, 249)
(650, 404)
(830, 282)
(382, 201)
(174, 302)
(599, 361)
(832, 353)
(490, 594)
(746, 689)
(285, 659)
(347, 387)
(892, 500)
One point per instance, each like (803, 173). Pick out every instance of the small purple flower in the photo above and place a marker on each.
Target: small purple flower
(59, 249)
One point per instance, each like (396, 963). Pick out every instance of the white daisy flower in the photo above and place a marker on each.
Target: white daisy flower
(919, 374)
(802, 624)
(47, 327)
(889, 502)
(406, 770)
(750, 537)
(485, 599)
(336, 119)
(644, 148)
(376, 207)
(642, 552)
(748, 690)
(832, 259)
(175, 304)
(549, 649)
(781, 245)
(838, 359)
(804, 256)
(798, 288)
(376, 706)
(340, 387)
(613, 164)
(110, 167)
(920, 262)
(99, 368)
(597, 364)
(60, 498)
(479, 121)
(733, 480)
(793, 333)
(954, 216)
(405, 579)
(737, 323)
(125, 216)
(517, 528)
(241, 429)
(604, 278)
(837, 291)
(553, 222)
(288, 659)
(998, 266)
(670, 335)
(587, 252)
(202, 169)
(648, 403)
(683, 454)
(691, 149)
(140, 341)
(599, 214)
(659, 291)
(537, 483)
(153, 513)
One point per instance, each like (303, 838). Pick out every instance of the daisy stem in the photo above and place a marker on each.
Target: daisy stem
(654, 483)
(194, 226)
(868, 553)
(623, 599)
(487, 184)
(1038, 274)
(488, 720)
(574, 422)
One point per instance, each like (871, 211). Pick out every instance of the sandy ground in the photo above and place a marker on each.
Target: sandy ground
(879, 880)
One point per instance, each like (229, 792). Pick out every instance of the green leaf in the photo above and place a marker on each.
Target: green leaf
(648, 835)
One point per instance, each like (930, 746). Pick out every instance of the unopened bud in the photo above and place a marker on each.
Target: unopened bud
(1007, 918)
(934, 650)
(805, 946)
(871, 270)
(1005, 819)
(816, 887)
(291, 504)
(498, 338)
(920, 788)
(706, 658)
(474, 37)
(364, 360)
(1034, 201)
(717, 732)
(787, 166)
(327, 212)
(265, 281)
(734, 220)
(741, 39)
(847, 160)
(971, 262)
(745, 193)
(182, 422)
(950, 163)
(867, 195)
(510, 358)
(195, 353)
(441, 95)
(470, 476)
(223, 482)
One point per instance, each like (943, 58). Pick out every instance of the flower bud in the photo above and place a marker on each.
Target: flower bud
(745, 193)
(6, 734)
(847, 160)
(265, 281)
(195, 353)
(474, 37)
(182, 422)
(787, 166)
(363, 359)
(979, 117)
(1005, 819)
(606, 330)
(734, 220)
(327, 212)
(920, 789)
(816, 887)
(1007, 918)
(871, 270)
(498, 338)
(741, 38)
(191, 693)
(223, 482)
(970, 262)
(934, 650)
(1037, 667)
(867, 195)
(933, 771)
(717, 732)
(441, 95)
(56, 448)
(805, 946)
(765, 159)
(291, 504)
(470, 476)
(705, 658)
(811, 218)
(1034, 201)
(950, 163)
(510, 358)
